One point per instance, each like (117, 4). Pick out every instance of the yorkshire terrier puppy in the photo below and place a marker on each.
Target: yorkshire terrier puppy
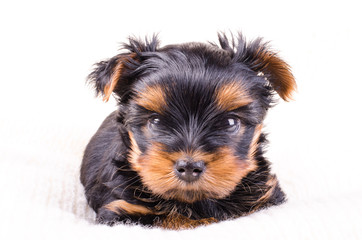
(185, 146)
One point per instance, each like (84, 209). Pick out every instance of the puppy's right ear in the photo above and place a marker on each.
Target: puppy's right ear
(108, 74)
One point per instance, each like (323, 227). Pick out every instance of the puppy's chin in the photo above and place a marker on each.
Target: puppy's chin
(193, 195)
(188, 196)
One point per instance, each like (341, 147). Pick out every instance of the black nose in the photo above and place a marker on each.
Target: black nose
(189, 171)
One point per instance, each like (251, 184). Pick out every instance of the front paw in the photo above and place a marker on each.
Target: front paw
(105, 216)
(120, 211)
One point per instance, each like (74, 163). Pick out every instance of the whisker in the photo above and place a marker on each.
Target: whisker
(126, 182)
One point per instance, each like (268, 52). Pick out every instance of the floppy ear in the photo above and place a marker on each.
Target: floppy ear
(258, 57)
(108, 73)
(275, 70)
(116, 74)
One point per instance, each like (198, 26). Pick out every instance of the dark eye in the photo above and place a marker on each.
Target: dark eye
(153, 122)
(233, 125)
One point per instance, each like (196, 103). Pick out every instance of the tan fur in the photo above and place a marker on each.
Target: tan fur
(134, 153)
(120, 205)
(152, 98)
(108, 89)
(282, 78)
(179, 222)
(225, 172)
(116, 75)
(254, 142)
(232, 96)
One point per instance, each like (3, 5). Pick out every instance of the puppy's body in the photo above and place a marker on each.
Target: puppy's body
(185, 147)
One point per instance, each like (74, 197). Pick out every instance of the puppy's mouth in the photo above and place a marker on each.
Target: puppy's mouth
(197, 190)
(188, 196)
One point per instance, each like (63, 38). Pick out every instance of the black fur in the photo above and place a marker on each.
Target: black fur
(190, 74)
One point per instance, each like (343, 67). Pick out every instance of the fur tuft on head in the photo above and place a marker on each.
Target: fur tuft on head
(257, 56)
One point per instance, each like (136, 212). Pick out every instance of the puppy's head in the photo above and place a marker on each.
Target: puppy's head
(194, 111)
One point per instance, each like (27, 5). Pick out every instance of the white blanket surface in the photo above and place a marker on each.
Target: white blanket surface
(48, 115)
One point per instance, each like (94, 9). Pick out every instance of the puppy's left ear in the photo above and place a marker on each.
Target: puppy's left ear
(275, 70)
(107, 74)
(258, 57)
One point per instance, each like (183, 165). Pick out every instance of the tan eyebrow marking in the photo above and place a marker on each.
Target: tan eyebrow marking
(152, 98)
(232, 96)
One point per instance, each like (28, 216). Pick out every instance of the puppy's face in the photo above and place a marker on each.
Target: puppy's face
(194, 117)
(192, 139)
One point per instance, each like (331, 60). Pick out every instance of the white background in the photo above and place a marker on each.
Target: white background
(48, 113)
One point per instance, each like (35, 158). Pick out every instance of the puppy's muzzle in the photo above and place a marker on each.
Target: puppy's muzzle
(189, 171)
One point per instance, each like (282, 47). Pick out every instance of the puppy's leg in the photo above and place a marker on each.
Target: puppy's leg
(122, 211)
(105, 216)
